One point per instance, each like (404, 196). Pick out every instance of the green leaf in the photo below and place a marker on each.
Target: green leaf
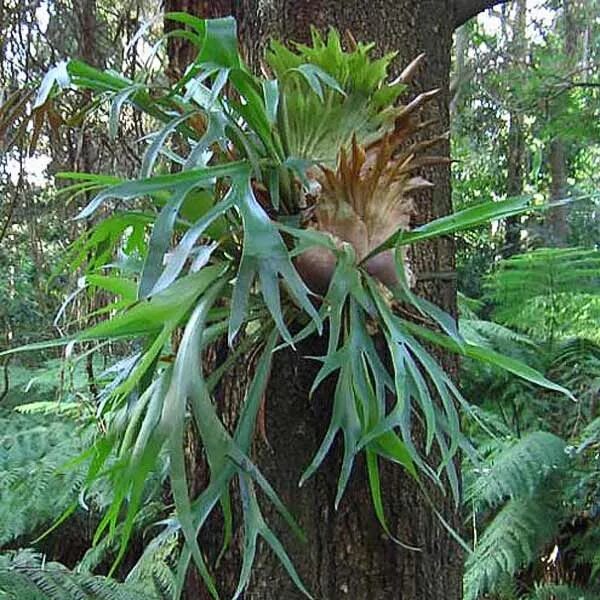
(59, 75)
(183, 250)
(125, 288)
(158, 141)
(172, 423)
(151, 185)
(115, 108)
(488, 356)
(459, 221)
(375, 487)
(264, 253)
(220, 44)
(160, 239)
(314, 76)
(271, 98)
(165, 308)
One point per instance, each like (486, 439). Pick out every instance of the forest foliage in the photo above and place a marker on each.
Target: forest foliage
(178, 212)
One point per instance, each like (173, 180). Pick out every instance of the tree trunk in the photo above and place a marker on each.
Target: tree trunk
(457, 84)
(558, 217)
(347, 554)
(557, 222)
(516, 131)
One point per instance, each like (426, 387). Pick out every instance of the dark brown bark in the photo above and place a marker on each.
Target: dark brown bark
(347, 554)
(467, 9)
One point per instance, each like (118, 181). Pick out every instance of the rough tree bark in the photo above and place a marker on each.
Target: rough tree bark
(347, 554)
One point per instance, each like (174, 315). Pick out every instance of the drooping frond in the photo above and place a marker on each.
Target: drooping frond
(520, 470)
(512, 540)
(25, 575)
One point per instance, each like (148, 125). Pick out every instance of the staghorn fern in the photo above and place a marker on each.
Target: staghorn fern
(351, 100)
(219, 238)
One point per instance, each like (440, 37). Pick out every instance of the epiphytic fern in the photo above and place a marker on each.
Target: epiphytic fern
(261, 158)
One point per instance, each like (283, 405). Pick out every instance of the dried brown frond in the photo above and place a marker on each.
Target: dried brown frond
(367, 198)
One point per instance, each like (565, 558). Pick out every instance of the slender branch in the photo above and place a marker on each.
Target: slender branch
(466, 9)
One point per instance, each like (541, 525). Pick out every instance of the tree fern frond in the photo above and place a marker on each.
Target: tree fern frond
(155, 565)
(511, 541)
(495, 425)
(561, 592)
(106, 546)
(542, 272)
(497, 335)
(576, 363)
(33, 451)
(520, 470)
(554, 284)
(468, 307)
(24, 575)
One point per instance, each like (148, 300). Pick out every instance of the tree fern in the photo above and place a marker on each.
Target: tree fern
(510, 542)
(561, 592)
(33, 451)
(554, 283)
(520, 470)
(25, 575)
(542, 272)
(522, 477)
(576, 363)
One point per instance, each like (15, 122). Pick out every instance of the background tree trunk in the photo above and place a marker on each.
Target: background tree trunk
(516, 132)
(558, 218)
(347, 554)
